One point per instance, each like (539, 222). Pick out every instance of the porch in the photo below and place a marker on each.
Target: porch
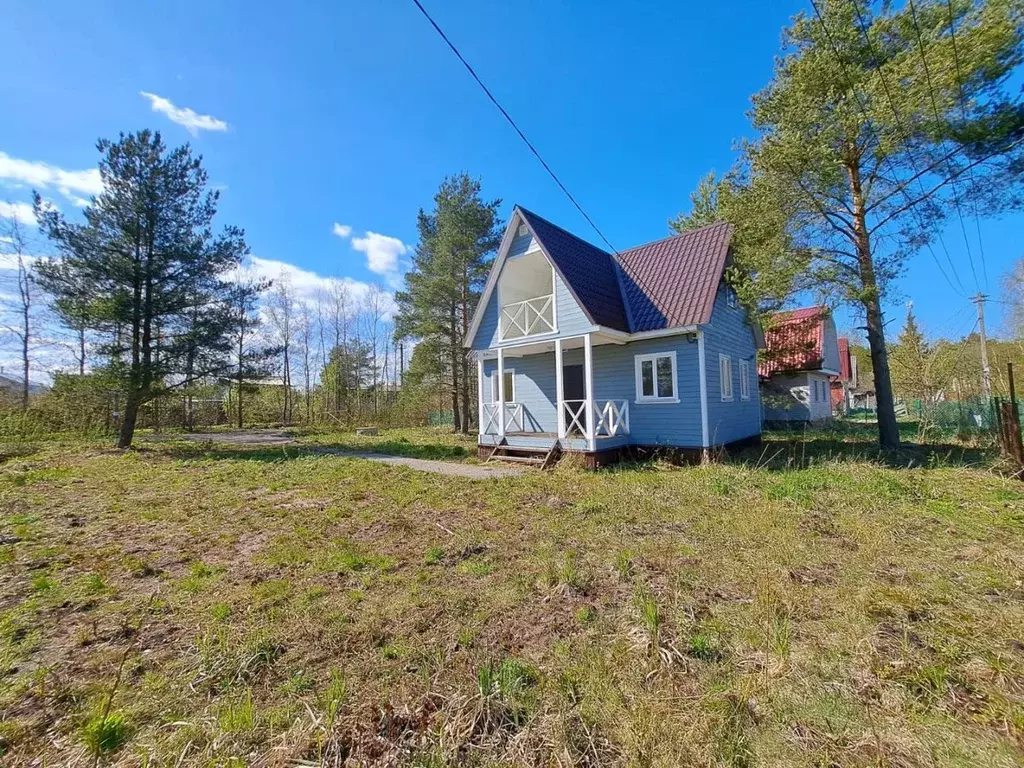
(533, 394)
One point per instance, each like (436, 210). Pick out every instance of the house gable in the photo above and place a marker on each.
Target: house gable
(520, 242)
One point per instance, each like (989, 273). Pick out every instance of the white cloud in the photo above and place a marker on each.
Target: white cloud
(183, 116)
(308, 285)
(72, 184)
(21, 212)
(382, 253)
(9, 261)
(341, 230)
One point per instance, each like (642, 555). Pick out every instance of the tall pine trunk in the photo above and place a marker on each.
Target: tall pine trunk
(888, 430)
(465, 358)
(453, 351)
(130, 416)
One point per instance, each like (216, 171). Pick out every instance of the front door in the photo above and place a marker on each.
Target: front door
(574, 392)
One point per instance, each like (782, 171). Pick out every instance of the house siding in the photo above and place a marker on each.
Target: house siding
(570, 320)
(729, 333)
(534, 379)
(787, 398)
(675, 424)
(830, 346)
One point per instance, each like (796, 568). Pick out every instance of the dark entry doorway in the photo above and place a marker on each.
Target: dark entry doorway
(574, 391)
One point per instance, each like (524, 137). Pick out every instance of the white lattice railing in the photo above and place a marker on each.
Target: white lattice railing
(611, 417)
(514, 418)
(528, 318)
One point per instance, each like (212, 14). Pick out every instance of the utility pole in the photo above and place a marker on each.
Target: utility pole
(986, 373)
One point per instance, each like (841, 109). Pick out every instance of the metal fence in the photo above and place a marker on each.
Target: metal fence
(977, 414)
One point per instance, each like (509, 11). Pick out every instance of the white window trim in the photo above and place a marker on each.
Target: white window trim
(744, 380)
(727, 361)
(730, 298)
(494, 386)
(638, 361)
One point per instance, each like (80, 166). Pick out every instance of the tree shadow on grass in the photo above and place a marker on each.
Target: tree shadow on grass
(781, 454)
(850, 442)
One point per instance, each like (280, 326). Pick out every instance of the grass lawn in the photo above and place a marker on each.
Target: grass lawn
(188, 605)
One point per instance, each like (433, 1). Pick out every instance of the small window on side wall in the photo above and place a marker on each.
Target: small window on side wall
(744, 380)
(656, 378)
(730, 297)
(510, 386)
(725, 376)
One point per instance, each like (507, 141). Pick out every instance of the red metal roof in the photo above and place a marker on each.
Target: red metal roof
(673, 282)
(844, 359)
(794, 341)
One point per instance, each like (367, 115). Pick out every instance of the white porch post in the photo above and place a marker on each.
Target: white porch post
(702, 371)
(501, 392)
(559, 401)
(588, 378)
(479, 395)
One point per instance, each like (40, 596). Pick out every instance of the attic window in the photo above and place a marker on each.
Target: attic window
(522, 231)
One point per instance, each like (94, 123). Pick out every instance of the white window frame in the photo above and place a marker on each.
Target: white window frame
(725, 378)
(730, 298)
(744, 380)
(653, 357)
(494, 386)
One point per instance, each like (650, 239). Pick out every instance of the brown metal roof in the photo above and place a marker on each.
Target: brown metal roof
(673, 282)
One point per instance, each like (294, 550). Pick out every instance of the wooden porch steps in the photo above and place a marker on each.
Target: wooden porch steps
(538, 457)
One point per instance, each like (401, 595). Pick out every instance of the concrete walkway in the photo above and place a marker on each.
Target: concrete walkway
(257, 437)
(473, 471)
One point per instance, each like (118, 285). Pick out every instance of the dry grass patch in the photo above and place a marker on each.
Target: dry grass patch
(270, 607)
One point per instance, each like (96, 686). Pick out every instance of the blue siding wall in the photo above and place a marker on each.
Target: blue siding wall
(535, 389)
(729, 333)
(614, 379)
(570, 319)
(675, 424)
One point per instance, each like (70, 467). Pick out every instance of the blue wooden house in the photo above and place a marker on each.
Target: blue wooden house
(585, 351)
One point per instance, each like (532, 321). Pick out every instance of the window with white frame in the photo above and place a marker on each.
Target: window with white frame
(725, 376)
(656, 380)
(730, 297)
(744, 380)
(510, 385)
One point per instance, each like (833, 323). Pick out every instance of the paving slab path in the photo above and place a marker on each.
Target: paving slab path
(277, 437)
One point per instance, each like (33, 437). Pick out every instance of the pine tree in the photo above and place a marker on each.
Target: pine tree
(456, 241)
(152, 267)
(876, 126)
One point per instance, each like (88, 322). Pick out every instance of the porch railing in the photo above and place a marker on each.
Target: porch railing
(611, 417)
(528, 318)
(514, 418)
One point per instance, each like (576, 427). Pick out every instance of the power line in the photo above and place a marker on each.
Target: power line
(867, 117)
(512, 122)
(963, 114)
(876, 60)
(935, 109)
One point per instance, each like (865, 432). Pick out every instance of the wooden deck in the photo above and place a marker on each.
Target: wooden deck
(543, 440)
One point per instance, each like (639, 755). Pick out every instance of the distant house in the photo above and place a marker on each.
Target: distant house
(800, 361)
(595, 353)
(841, 384)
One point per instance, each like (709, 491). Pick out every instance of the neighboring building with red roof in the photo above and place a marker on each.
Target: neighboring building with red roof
(801, 358)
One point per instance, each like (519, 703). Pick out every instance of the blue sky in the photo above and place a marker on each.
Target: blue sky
(351, 113)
